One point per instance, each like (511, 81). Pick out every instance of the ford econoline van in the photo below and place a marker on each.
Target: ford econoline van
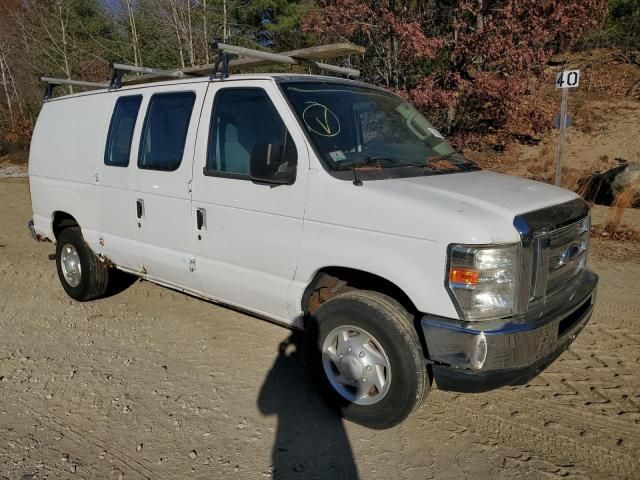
(323, 204)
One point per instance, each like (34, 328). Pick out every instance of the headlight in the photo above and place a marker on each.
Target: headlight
(483, 280)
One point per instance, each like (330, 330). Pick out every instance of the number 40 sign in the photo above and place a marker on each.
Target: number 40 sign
(564, 80)
(568, 79)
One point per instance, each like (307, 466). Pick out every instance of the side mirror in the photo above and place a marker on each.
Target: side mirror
(274, 164)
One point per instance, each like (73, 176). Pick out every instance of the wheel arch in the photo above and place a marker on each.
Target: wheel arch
(332, 280)
(61, 220)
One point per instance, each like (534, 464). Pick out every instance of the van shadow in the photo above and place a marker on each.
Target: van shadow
(119, 281)
(311, 442)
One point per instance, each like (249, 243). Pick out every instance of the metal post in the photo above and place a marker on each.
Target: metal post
(563, 126)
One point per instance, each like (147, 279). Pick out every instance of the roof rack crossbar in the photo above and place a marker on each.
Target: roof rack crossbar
(224, 48)
(51, 83)
(119, 68)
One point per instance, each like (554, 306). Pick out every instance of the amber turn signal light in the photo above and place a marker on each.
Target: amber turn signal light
(466, 276)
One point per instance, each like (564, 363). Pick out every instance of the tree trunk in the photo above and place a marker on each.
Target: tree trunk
(206, 32)
(176, 24)
(480, 18)
(13, 84)
(192, 51)
(225, 37)
(479, 60)
(63, 27)
(6, 88)
(135, 42)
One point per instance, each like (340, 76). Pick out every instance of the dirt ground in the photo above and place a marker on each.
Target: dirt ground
(149, 383)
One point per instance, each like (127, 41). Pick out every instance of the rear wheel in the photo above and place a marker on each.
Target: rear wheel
(366, 359)
(82, 275)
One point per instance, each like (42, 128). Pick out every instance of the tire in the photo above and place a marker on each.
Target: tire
(88, 282)
(367, 315)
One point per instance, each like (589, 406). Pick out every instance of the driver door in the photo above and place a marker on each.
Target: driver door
(248, 236)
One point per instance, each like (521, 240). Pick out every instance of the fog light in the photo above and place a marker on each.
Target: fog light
(478, 353)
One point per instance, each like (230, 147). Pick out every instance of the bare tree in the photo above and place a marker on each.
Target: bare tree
(225, 30)
(192, 53)
(63, 17)
(176, 25)
(205, 15)
(135, 40)
(3, 73)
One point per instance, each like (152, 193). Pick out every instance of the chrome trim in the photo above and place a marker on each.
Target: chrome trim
(526, 274)
(537, 230)
(541, 270)
(511, 343)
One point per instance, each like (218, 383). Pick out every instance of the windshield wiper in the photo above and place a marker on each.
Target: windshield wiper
(356, 165)
(366, 162)
(465, 165)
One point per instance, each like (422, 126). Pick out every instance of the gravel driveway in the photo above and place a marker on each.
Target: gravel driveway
(149, 383)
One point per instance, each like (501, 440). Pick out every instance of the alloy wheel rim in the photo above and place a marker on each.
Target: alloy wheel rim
(356, 365)
(70, 264)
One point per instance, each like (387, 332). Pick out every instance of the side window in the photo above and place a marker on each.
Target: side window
(165, 131)
(241, 119)
(123, 121)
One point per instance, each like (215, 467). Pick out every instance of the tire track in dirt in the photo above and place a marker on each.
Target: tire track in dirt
(540, 442)
(83, 436)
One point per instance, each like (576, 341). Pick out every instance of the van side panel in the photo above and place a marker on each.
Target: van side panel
(415, 265)
(68, 142)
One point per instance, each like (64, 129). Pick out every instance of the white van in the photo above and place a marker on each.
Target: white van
(324, 204)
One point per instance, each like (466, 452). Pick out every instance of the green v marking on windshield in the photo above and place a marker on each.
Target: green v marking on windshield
(325, 125)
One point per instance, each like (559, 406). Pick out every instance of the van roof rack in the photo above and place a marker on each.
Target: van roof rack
(226, 50)
(224, 64)
(308, 57)
(51, 83)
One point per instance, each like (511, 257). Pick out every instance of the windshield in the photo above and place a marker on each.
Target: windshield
(354, 126)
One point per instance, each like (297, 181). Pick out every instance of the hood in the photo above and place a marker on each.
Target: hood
(474, 207)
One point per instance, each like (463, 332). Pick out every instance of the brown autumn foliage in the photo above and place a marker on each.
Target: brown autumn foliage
(474, 66)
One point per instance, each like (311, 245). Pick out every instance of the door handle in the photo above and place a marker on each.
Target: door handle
(200, 218)
(140, 208)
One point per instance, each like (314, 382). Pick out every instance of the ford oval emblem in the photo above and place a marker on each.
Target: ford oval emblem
(570, 254)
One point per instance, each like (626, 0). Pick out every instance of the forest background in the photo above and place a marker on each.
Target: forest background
(476, 68)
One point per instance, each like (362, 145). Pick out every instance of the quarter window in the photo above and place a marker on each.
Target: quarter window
(123, 121)
(243, 118)
(165, 131)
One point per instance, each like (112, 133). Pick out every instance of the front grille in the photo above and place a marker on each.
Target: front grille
(555, 243)
(558, 257)
(567, 255)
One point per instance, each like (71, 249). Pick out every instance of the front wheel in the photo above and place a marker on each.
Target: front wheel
(365, 357)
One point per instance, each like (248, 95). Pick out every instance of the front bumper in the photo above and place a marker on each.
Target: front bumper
(483, 355)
